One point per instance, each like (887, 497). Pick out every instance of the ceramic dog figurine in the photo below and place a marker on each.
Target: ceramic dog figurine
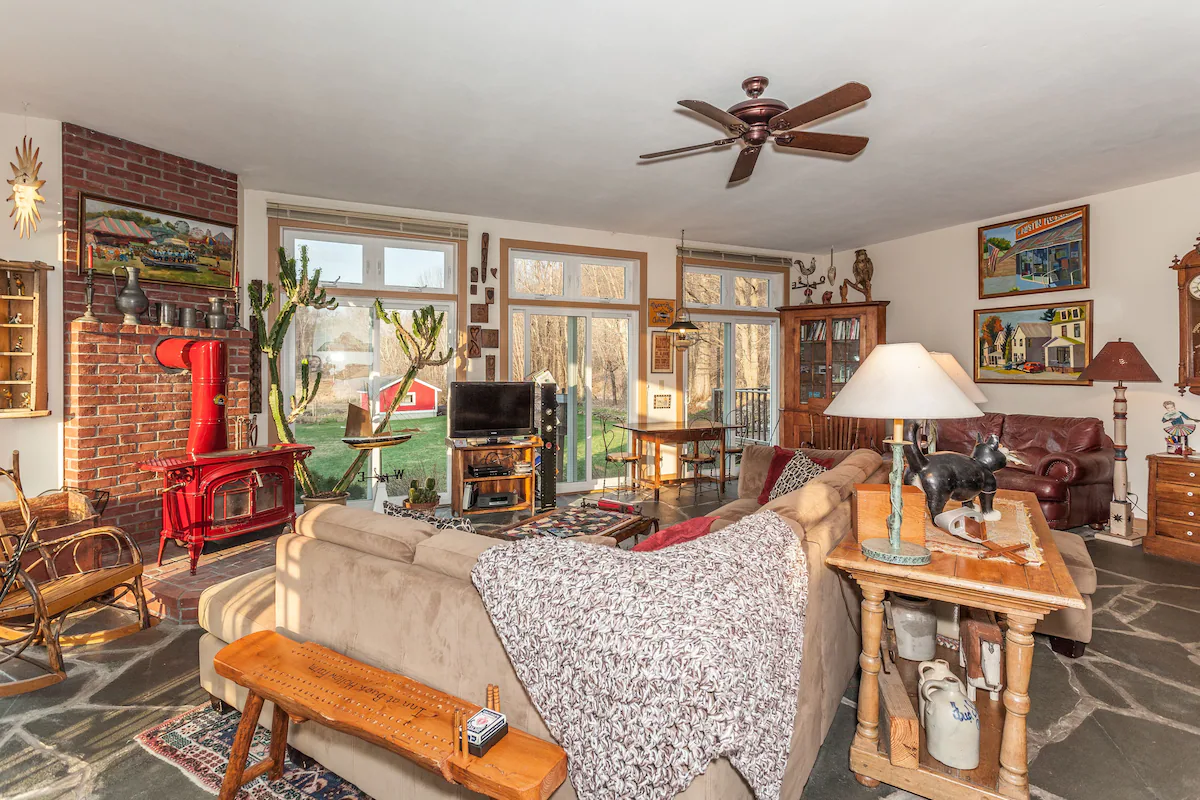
(952, 476)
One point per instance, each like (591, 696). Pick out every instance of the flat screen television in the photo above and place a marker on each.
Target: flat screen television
(479, 409)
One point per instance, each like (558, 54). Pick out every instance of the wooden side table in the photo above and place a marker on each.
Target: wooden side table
(1022, 594)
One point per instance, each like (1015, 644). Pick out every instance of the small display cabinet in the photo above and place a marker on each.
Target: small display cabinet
(23, 339)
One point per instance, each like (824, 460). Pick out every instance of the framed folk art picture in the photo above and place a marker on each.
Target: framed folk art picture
(168, 247)
(660, 313)
(662, 352)
(1041, 253)
(1036, 344)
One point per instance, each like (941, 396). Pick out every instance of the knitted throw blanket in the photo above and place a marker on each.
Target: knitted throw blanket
(647, 666)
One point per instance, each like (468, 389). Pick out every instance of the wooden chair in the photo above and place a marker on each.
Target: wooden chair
(697, 455)
(626, 459)
(34, 612)
(736, 444)
(839, 433)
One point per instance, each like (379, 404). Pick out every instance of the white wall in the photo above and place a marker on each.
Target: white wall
(40, 438)
(930, 280)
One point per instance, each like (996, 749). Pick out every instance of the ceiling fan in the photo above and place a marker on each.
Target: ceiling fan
(757, 120)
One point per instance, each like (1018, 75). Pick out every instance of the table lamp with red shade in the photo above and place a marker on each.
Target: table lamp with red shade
(1120, 361)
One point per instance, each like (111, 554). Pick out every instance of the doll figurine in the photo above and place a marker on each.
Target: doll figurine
(1179, 426)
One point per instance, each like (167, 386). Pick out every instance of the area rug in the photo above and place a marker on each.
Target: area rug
(198, 743)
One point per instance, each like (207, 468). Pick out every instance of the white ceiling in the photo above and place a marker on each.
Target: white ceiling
(537, 109)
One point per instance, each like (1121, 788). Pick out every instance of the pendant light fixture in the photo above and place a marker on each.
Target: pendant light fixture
(686, 332)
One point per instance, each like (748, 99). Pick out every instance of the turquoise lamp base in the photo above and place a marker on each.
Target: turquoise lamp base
(893, 550)
(906, 553)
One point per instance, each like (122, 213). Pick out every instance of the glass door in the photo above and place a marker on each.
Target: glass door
(589, 354)
(731, 375)
(846, 352)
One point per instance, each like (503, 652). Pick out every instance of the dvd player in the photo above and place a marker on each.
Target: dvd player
(488, 471)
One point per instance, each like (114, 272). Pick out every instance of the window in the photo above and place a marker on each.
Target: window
(540, 275)
(733, 289)
(410, 399)
(377, 262)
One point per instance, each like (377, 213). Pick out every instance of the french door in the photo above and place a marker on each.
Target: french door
(732, 374)
(592, 357)
(362, 363)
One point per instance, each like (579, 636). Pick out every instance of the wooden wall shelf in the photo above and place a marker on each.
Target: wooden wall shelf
(29, 361)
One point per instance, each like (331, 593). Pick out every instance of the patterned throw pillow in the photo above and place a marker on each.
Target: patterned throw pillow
(799, 471)
(441, 523)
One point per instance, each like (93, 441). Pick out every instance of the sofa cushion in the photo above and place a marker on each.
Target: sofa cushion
(960, 435)
(239, 606)
(779, 459)
(1037, 435)
(816, 499)
(737, 509)
(453, 553)
(752, 469)
(799, 470)
(1079, 562)
(1020, 480)
(365, 531)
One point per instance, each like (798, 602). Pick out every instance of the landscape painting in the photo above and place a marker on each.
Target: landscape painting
(1043, 344)
(1042, 253)
(168, 247)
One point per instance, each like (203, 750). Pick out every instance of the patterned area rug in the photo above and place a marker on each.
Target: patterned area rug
(198, 742)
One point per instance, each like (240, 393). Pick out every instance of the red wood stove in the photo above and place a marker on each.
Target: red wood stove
(212, 493)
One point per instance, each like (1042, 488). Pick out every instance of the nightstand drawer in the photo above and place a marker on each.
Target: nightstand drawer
(1180, 512)
(1188, 532)
(1177, 472)
(1178, 493)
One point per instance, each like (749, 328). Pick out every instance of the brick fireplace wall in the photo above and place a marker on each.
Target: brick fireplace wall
(121, 408)
(127, 409)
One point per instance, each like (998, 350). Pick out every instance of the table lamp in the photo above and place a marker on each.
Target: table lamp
(899, 382)
(1119, 361)
(962, 380)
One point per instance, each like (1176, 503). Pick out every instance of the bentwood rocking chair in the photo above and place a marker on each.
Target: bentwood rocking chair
(35, 611)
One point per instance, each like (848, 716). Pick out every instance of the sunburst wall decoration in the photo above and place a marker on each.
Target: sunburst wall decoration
(25, 185)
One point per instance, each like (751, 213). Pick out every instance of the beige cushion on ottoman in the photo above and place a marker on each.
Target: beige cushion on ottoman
(1079, 562)
(240, 606)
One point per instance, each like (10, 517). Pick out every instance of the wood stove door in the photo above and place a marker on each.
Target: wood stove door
(241, 500)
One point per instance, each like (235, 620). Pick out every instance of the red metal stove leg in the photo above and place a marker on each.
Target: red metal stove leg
(162, 542)
(194, 549)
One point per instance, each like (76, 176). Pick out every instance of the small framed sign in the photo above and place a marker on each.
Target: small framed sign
(662, 352)
(661, 312)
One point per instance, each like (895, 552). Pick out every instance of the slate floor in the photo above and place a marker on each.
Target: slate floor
(1121, 722)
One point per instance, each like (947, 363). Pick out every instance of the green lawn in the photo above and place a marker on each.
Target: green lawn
(424, 454)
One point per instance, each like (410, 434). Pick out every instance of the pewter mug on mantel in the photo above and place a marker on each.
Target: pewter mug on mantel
(190, 317)
(131, 300)
(167, 314)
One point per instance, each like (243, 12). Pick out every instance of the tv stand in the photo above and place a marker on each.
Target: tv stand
(495, 450)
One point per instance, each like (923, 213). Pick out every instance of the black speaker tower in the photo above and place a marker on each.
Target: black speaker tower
(548, 426)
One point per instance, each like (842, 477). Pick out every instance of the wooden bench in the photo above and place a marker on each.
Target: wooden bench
(308, 682)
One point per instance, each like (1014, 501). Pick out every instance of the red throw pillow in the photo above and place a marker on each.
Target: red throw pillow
(676, 534)
(778, 462)
(826, 463)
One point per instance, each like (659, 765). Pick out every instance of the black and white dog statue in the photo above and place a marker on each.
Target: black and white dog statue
(952, 476)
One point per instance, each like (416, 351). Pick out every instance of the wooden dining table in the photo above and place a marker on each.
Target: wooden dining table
(645, 433)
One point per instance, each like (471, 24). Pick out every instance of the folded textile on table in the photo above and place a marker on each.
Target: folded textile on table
(647, 666)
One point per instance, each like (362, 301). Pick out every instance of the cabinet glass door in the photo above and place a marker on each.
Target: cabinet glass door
(812, 360)
(846, 352)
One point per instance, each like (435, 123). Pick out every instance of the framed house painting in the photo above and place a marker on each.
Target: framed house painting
(1038, 344)
(168, 247)
(660, 313)
(662, 352)
(1042, 253)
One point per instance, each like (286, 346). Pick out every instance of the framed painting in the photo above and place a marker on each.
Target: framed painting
(662, 352)
(1041, 253)
(1038, 344)
(168, 247)
(660, 313)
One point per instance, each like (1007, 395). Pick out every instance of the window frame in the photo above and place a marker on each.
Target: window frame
(374, 256)
(573, 277)
(776, 292)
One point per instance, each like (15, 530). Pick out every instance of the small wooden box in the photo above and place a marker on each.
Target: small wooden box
(872, 503)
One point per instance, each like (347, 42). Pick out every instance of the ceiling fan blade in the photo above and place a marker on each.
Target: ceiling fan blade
(844, 96)
(745, 163)
(717, 143)
(825, 142)
(717, 115)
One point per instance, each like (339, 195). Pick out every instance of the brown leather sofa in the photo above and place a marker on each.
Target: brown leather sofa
(1068, 461)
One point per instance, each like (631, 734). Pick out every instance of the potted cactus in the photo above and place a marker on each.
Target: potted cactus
(423, 497)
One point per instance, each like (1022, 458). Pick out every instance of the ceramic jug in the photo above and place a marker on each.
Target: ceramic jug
(951, 724)
(131, 300)
(938, 670)
(915, 624)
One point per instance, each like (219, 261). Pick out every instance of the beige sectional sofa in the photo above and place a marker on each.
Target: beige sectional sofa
(397, 594)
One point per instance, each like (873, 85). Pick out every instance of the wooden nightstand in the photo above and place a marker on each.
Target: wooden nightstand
(1173, 527)
(1023, 594)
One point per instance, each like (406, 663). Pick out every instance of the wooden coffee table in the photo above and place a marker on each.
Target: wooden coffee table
(1023, 594)
(572, 521)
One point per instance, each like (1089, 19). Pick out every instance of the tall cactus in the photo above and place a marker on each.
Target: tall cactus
(296, 290)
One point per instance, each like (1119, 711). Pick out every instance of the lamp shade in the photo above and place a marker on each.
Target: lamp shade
(1119, 361)
(901, 381)
(682, 323)
(960, 377)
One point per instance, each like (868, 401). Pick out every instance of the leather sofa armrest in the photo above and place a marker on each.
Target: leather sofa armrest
(1092, 467)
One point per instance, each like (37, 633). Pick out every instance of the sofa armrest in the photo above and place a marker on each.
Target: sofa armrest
(1092, 467)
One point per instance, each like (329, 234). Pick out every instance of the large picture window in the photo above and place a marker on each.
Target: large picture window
(378, 262)
(537, 275)
(731, 289)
